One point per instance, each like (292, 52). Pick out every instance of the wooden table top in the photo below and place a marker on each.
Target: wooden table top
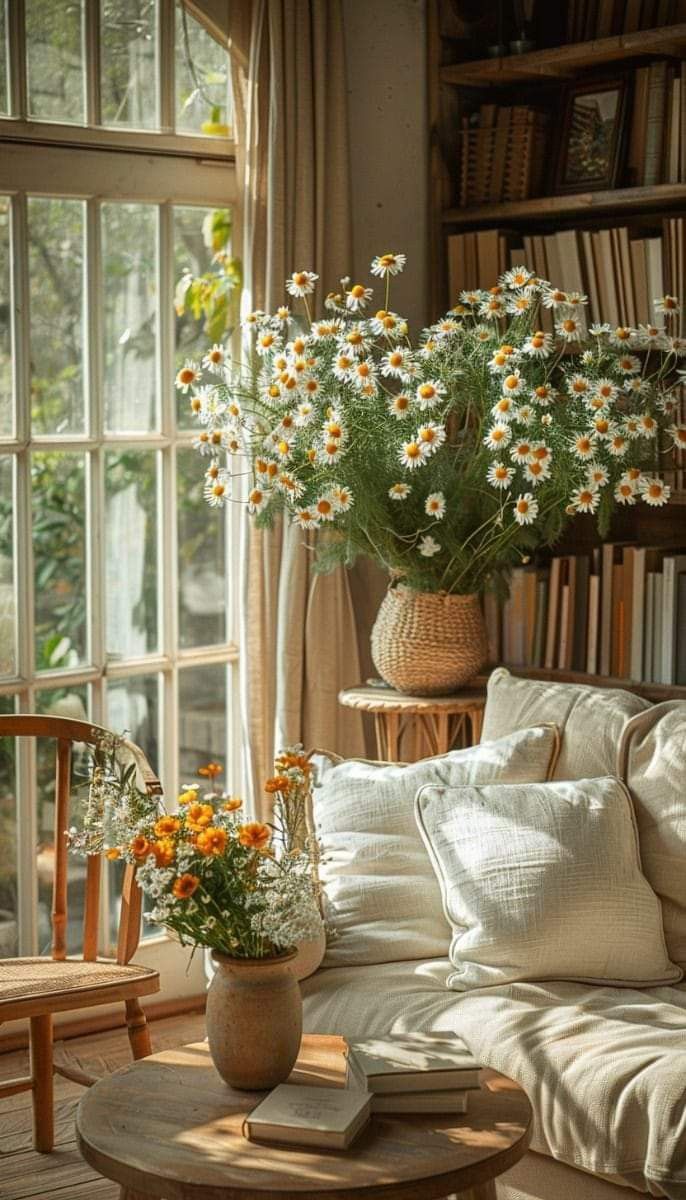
(383, 699)
(168, 1126)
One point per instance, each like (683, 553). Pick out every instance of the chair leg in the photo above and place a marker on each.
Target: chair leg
(41, 1073)
(139, 1034)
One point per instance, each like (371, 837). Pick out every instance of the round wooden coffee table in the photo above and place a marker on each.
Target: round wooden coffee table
(167, 1126)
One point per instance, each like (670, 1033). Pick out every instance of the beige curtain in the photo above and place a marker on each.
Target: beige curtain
(299, 643)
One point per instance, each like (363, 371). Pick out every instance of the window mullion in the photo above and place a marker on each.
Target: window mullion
(17, 50)
(95, 473)
(166, 549)
(165, 65)
(92, 48)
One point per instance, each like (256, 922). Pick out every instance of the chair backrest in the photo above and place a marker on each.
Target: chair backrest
(65, 732)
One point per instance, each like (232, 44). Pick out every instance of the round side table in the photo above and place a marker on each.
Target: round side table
(167, 1126)
(440, 722)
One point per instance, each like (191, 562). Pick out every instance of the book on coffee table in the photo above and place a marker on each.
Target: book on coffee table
(452, 1101)
(298, 1115)
(413, 1062)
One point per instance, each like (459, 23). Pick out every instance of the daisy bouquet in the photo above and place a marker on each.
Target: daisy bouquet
(245, 888)
(448, 460)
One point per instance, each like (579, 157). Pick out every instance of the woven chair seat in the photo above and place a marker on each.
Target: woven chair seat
(24, 978)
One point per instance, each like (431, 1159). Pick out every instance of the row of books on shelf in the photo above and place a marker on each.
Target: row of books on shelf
(603, 18)
(621, 273)
(501, 154)
(619, 611)
(400, 1073)
(657, 132)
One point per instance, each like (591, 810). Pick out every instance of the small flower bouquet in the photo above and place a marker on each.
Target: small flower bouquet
(244, 888)
(448, 460)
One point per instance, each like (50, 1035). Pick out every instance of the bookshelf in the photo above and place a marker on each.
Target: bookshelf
(456, 88)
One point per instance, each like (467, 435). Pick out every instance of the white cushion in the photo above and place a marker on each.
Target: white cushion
(543, 881)
(590, 719)
(604, 1068)
(652, 761)
(381, 896)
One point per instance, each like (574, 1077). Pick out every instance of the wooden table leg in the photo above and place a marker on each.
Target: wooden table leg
(477, 719)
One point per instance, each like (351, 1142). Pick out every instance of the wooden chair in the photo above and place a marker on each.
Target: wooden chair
(35, 988)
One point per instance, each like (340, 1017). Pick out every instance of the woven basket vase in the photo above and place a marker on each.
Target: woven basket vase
(428, 643)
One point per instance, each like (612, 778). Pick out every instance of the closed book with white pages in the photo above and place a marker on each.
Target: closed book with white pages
(450, 1100)
(414, 1062)
(295, 1115)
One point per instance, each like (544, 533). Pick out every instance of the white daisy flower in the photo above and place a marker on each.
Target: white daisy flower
(525, 509)
(604, 392)
(599, 330)
(547, 419)
(413, 454)
(266, 468)
(301, 283)
(187, 375)
(617, 445)
(654, 491)
(428, 546)
(535, 472)
(472, 299)
(632, 428)
(333, 428)
(576, 300)
(521, 452)
(570, 329)
(284, 448)
(394, 362)
(214, 359)
(597, 475)
(628, 364)
(282, 316)
(516, 277)
(625, 492)
(342, 497)
(289, 486)
(399, 491)
(543, 395)
(585, 499)
(434, 505)
(342, 367)
(447, 328)
(388, 264)
(500, 360)
(521, 304)
(669, 305)
(504, 409)
(208, 442)
(578, 385)
(388, 324)
(541, 453)
(667, 404)
(583, 446)
(637, 387)
(355, 341)
(267, 342)
(216, 491)
(603, 427)
(334, 302)
(253, 320)
(322, 330)
(677, 345)
(524, 414)
(325, 508)
(492, 308)
(647, 425)
(538, 345)
(633, 475)
(431, 436)
(358, 297)
(258, 500)
(399, 405)
(310, 386)
(482, 333)
(297, 346)
(498, 436)
(430, 393)
(306, 517)
(304, 414)
(429, 348)
(622, 336)
(513, 383)
(651, 337)
(363, 374)
(678, 436)
(499, 476)
(554, 297)
(331, 451)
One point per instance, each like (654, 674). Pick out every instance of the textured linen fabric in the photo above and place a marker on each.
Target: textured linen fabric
(652, 761)
(381, 896)
(590, 719)
(604, 1068)
(543, 881)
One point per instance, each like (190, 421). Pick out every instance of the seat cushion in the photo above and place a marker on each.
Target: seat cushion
(652, 761)
(604, 1068)
(590, 720)
(43, 985)
(381, 896)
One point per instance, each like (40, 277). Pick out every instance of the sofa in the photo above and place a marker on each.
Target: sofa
(603, 1066)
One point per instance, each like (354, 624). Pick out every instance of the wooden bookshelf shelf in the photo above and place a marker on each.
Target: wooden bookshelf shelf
(649, 691)
(565, 62)
(659, 198)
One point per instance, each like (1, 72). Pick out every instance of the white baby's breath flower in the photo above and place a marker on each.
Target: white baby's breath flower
(428, 546)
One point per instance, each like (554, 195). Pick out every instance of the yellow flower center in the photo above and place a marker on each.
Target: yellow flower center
(412, 450)
(300, 278)
(522, 506)
(602, 425)
(569, 325)
(357, 291)
(186, 375)
(256, 496)
(427, 391)
(324, 507)
(395, 359)
(585, 497)
(511, 382)
(655, 490)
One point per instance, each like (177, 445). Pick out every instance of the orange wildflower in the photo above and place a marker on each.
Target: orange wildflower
(140, 847)
(211, 770)
(199, 816)
(211, 841)
(233, 803)
(164, 852)
(184, 886)
(113, 854)
(279, 783)
(166, 825)
(254, 835)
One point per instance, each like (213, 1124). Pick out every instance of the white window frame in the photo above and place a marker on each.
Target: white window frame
(98, 166)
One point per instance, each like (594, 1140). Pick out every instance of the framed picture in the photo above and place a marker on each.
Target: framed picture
(591, 136)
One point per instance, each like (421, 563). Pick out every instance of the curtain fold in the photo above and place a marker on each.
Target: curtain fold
(298, 638)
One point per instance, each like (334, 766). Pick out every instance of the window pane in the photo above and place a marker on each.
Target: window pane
(4, 73)
(7, 601)
(133, 705)
(56, 280)
(131, 553)
(60, 702)
(202, 719)
(129, 247)
(202, 562)
(192, 257)
(54, 48)
(9, 929)
(203, 95)
(59, 548)
(128, 63)
(6, 406)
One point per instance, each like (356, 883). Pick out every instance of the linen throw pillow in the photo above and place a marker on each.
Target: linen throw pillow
(381, 896)
(544, 881)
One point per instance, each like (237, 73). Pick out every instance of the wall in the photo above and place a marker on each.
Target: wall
(385, 42)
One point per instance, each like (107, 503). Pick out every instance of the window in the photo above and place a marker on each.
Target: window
(115, 582)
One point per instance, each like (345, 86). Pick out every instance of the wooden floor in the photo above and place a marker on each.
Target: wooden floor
(63, 1175)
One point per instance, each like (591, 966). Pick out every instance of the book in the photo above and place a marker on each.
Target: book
(593, 624)
(648, 627)
(419, 1062)
(295, 1115)
(680, 672)
(451, 1101)
(672, 565)
(553, 619)
(657, 630)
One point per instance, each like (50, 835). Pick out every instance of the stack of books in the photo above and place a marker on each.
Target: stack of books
(657, 153)
(503, 154)
(618, 611)
(335, 1087)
